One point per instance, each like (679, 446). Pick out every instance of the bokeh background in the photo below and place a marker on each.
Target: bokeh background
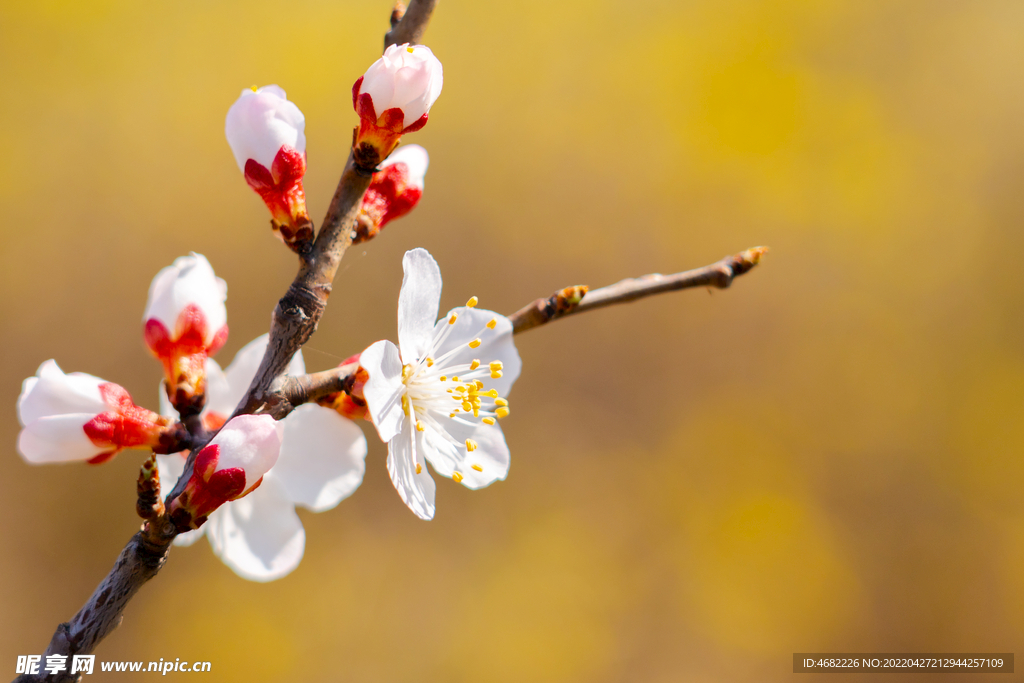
(826, 457)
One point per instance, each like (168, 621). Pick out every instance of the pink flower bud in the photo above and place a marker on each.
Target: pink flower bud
(266, 135)
(396, 188)
(393, 97)
(81, 417)
(231, 466)
(185, 323)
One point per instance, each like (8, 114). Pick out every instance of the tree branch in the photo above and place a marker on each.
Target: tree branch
(412, 23)
(295, 319)
(571, 300)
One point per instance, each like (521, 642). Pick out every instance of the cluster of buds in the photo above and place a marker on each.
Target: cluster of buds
(266, 133)
(394, 191)
(231, 467)
(392, 98)
(186, 323)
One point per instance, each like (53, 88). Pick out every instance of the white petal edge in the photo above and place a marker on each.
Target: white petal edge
(416, 490)
(59, 438)
(418, 303)
(322, 457)
(260, 536)
(491, 454)
(383, 389)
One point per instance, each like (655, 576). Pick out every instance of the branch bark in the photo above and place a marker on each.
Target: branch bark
(561, 304)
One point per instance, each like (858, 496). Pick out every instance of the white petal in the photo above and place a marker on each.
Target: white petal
(259, 536)
(58, 438)
(383, 389)
(189, 281)
(218, 391)
(52, 392)
(322, 457)
(416, 161)
(259, 123)
(496, 344)
(417, 304)
(251, 443)
(491, 454)
(379, 84)
(170, 467)
(416, 490)
(190, 537)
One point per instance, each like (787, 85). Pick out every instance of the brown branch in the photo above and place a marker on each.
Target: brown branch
(412, 24)
(561, 304)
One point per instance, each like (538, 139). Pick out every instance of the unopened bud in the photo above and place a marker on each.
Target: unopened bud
(231, 466)
(266, 135)
(185, 323)
(392, 98)
(77, 416)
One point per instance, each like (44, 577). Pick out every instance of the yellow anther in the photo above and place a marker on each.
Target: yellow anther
(406, 371)
(494, 323)
(477, 468)
(448, 390)
(420, 426)
(488, 420)
(405, 404)
(473, 301)
(476, 411)
(475, 364)
(475, 343)
(444, 378)
(470, 445)
(467, 406)
(501, 412)
(455, 379)
(451, 320)
(479, 385)
(430, 362)
(254, 88)
(452, 414)
(419, 468)
(457, 477)
(490, 393)
(500, 402)
(496, 365)
(409, 50)
(496, 374)
(461, 390)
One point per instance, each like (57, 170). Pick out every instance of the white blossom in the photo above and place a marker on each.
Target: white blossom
(437, 395)
(321, 463)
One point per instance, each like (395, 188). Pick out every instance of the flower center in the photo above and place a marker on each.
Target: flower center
(440, 389)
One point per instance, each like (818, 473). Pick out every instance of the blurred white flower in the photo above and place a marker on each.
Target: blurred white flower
(321, 463)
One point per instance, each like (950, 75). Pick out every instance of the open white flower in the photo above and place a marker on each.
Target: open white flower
(321, 463)
(437, 395)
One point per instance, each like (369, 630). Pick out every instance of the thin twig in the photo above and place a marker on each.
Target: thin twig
(560, 304)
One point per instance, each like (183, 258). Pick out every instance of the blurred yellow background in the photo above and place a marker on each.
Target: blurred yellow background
(826, 457)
